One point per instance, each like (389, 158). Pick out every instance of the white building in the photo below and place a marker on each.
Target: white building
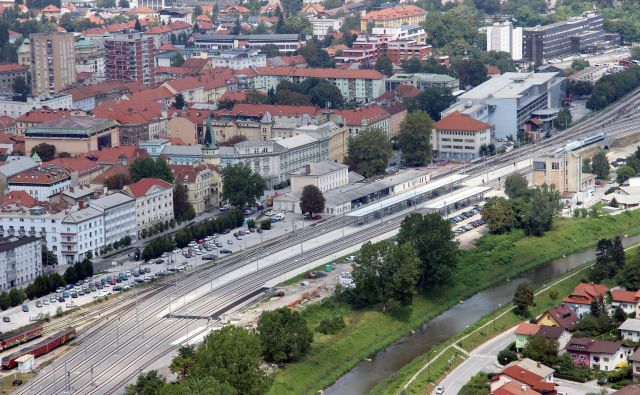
(20, 261)
(504, 37)
(362, 86)
(41, 182)
(460, 137)
(14, 108)
(507, 101)
(325, 175)
(630, 329)
(119, 211)
(154, 202)
(321, 27)
(82, 232)
(237, 59)
(405, 32)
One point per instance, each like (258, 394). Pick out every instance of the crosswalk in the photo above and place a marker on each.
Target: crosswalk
(482, 356)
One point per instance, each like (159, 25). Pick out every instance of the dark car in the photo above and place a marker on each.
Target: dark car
(60, 299)
(208, 257)
(225, 251)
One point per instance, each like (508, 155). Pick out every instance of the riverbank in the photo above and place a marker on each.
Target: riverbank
(494, 259)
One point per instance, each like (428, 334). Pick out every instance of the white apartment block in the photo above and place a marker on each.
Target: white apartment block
(154, 202)
(16, 108)
(504, 37)
(237, 59)
(20, 261)
(119, 211)
(321, 27)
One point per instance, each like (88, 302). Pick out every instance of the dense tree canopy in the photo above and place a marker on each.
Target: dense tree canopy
(600, 165)
(414, 138)
(516, 185)
(369, 151)
(284, 335)
(241, 185)
(45, 151)
(430, 100)
(150, 168)
(499, 215)
(312, 201)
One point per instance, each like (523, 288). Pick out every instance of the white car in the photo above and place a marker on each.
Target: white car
(229, 241)
(350, 258)
(440, 390)
(177, 251)
(198, 252)
(269, 213)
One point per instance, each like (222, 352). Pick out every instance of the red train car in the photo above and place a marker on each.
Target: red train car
(40, 348)
(13, 338)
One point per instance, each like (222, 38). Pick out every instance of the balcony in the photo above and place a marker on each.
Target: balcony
(69, 243)
(67, 234)
(69, 252)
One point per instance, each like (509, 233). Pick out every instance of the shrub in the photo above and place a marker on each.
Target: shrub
(265, 225)
(251, 224)
(329, 326)
(507, 356)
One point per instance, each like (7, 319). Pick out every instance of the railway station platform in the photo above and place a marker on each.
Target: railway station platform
(463, 198)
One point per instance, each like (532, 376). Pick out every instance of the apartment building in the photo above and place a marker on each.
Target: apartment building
(504, 37)
(9, 73)
(20, 261)
(52, 62)
(459, 137)
(237, 59)
(41, 182)
(90, 58)
(393, 17)
(14, 107)
(360, 86)
(322, 26)
(154, 202)
(423, 81)
(286, 43)
(119, 214)
(370, 116)
(203, 185)
(130, 57)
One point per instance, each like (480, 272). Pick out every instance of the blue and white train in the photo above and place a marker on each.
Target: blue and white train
(575, 145)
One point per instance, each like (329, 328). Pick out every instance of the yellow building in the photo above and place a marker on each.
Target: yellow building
(75, 135)
(393, 17)
(202, 182)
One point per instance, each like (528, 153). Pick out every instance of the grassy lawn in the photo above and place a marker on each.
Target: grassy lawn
(493, 260)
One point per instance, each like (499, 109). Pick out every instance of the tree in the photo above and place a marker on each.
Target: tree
(499, 215)
(325, 95)
(385, 273)
(505, 357)
(541, 349)
(182, 364)
(629, 276)
(544, 205)
(45, 151)
(414, 138)
(265, 224)
(312, 201)
(105, 3)
(117, 181)
(178, 101)
(197, 11)
(232, 355)
(149, 168)
(603, 267)
(284, 335)
(271, 50)
(370, 151)
(523, 297)
(177, 60)
(241, 185)
(516, 185)
(384, 65)
(586, 165)
(48, 257)
(600, 165)
(182, 209)
(579, 64)
(198, 385)
(623, 173)
(434, 241)
(148, 383)
(5, 301)
(20, 86)
(70, 276)
(431, 100)
(16, 297)
(563, 120)
(137, 26)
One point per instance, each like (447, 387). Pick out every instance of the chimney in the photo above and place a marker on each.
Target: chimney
(81, 204)
(524, 388)
(538, 364)
(307, 169)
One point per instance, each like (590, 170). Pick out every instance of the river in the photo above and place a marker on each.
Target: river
(364, 376)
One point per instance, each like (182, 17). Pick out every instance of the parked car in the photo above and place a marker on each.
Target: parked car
(208, 257)
(225, 251)
(6, 319)
(39, 304)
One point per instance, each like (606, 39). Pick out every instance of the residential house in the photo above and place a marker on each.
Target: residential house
(139, 120)
(525, 330)
(20, 261)
(154, 202)
(598, 354)
(514, 388)
(81, 170)
(535, 367)
(119, 211)
(122, 155)
(635, 364)
(398, 112)
(580, 299)
(190, 87)
(626, 300)
(561, 316)
(13, 166)
(524, 378)
(203, 185)
(41, 182)
(370, 116)
(630, 329)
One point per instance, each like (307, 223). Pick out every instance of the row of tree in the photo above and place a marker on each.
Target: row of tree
(611, 87)
(532, 210)
(230, 220)
(79, 271)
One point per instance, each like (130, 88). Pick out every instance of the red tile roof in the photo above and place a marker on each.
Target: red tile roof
(156, 94)
(167, 47)
(141, 187)
(112, 171)
(234, 96)
(114, 155)
(395, 108)
(184, 84)
(19, 198)
(160, 29)
(407, 90)
(319, 73)
(624, 296)
(128, 112)
(587, 344)
(11, 67)
(51, 8)
(44, 175)
(258, 110)
(527, 329)
(492, 69)
(85, 91)
(370, 115)
(513, 388)
(143, 10)
(586, 293)
(195, 63)
(460, 122)
(531, 379)
(43, 115)
(80, 165)
(402, 11)
(188, 173)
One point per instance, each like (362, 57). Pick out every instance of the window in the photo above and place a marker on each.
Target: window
(555, 166)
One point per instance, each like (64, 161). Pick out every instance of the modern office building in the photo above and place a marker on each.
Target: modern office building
(20, 261)
(130, 57)
(577, 35)
(506, 102)
(504, 37)
(52, 62)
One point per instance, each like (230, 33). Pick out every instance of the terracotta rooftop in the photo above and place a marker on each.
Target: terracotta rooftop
(43, 115)
(527, 329)
(80, 165)
(618, 295)
(319, 73)
(115, 170)
(160, 29)
(128, 112)
(367, 115)
(586, 293)
(258, 110)
(460, 122)
(184, 84)
(123, 154)
(524, 376)
(141, 187)
(51, 8)
(402, 11)
(404, 90)
(513, 388)
(20, 198)
(11, 67)
(195, 63)
(44, 175)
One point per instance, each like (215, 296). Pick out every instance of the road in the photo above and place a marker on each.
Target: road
(127, 338)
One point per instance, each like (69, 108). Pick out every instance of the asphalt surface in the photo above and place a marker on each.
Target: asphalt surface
(129, 337)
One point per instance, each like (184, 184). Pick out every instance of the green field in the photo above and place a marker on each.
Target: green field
(369, 331)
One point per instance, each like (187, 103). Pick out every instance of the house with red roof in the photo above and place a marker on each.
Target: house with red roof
(461, 137)
(121, 155)
(50, 12)
(598, 354)
(522, 377)
(162, 33)
(42, 115)
(369, 116)
(9, 72)
(560, 316)
(525, 330)
(514, 388)
(139, 120)
(398, 112)
(41, 182)
(203, 184)
(81, 169)
(190, 87)
(154, 203)
(580, 299)
(628, 301)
